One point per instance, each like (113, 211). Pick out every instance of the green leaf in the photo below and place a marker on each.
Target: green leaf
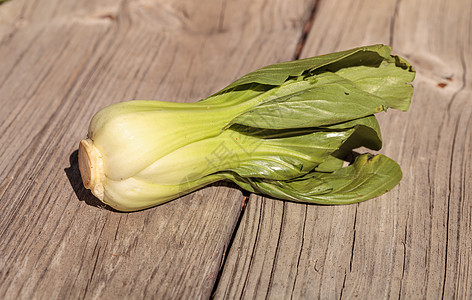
(331, 164)
(390, 81)
(367, 134)
(368, 177)
(289, 157)
(330, 99)
(277, 74)
(322, 90)
(286, 154)
(235, 95)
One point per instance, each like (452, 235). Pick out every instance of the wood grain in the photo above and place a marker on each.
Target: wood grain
(412, 243)
(61, 61)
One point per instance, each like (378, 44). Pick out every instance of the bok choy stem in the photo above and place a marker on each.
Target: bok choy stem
(282, 131)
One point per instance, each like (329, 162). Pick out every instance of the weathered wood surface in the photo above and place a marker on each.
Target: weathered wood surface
(60, 61)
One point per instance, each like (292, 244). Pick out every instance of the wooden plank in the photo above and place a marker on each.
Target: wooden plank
(64, 60)
(414, 242)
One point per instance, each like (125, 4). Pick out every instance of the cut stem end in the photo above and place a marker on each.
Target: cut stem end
(91, 167)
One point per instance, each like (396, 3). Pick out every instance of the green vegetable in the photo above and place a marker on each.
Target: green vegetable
(282, 131)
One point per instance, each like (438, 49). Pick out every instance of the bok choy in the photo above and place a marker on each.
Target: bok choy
(283, 131)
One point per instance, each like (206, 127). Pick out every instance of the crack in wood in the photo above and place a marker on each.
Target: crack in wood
(306, 30)
(405, 234)
(343, 286)
(256, 242)
(450, 181)
(463, 84)
(393, 22)
(227, 248)
(448, 208)
(300, 251)
(353, 239)
(93, 270)
(277, 248)
(221, 17)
